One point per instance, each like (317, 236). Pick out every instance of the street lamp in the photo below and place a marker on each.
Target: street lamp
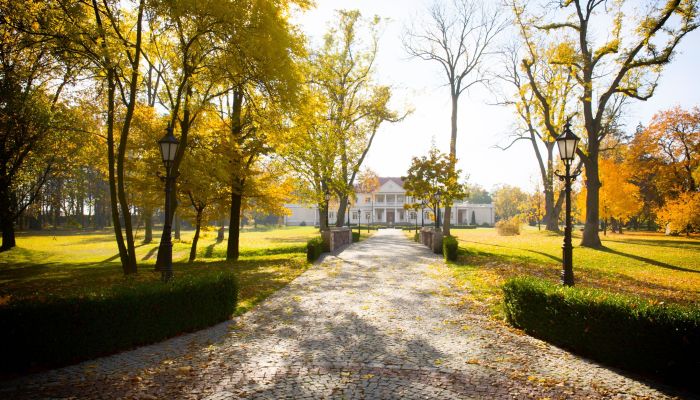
(567, 143)
(168, 148)
(437, 199)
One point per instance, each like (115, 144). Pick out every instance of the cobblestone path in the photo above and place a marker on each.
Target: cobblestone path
(378, 320)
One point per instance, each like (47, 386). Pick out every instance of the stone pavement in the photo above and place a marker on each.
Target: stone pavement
(379, 320)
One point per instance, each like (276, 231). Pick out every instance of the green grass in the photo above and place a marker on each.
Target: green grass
(646, 264)
(68, 263)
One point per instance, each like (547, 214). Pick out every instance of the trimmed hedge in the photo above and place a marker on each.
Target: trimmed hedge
(60, 330)
(623, 331)
(449, 248)
(355, 237)
(314, 248)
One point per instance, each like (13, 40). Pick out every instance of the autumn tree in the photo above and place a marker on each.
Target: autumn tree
(619, 197)
(542, 97)
(342, 72)
(204, 178)
(535, 207)
(459, 37)
(260, 84)
(433, 180)
(681, 215)
(626, 63)
(509, 201)
(35, 117)
(478, 195)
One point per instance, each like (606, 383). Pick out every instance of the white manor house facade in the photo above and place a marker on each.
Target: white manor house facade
(386, 207)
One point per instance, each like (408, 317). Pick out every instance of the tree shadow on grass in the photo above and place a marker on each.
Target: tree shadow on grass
(505, 258)
(648, 260)
(678, 244)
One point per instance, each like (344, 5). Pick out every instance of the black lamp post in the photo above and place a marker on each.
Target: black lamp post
(567, 143)
(168, 148)
(437, 199)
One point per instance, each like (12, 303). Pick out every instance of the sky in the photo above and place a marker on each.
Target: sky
(419, 85)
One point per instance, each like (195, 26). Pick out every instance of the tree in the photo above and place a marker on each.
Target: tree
(626, 64)
(478, 195)
(34, 120)
(459, 38)
(204, 179)
(261, 77)
(509, 201)
(535, 207)
(431, 175)
(681, 214)
(542, 100)
(342, 72)
(619, 197)
(670, 149)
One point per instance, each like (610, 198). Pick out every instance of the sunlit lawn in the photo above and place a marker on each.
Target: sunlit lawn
(647, 264)
(63, 263)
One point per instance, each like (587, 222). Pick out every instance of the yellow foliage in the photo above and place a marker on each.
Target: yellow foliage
(681, 214)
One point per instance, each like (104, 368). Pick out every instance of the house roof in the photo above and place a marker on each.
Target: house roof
(395, 179)
(383, 180)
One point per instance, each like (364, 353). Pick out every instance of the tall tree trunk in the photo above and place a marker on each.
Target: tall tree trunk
(7, 223)
(193, 249)
(8, 234)
(220, 233)
(234, 230)
(342, 208)
(148, 225)
(323, 217)
(590, 229)
(237, 181)
(116, 223)
(453, 155)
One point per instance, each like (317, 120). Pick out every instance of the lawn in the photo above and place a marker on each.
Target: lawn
(646, 264)
(68, 263)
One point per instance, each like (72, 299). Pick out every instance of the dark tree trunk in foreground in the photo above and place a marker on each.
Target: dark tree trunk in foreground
(148, 225)
(232, 250)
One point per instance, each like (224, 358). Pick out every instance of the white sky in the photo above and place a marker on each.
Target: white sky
(417, 83)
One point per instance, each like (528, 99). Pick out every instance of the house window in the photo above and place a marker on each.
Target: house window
(390, 198)
(368, 199)
(400, 198)
(379, 214)
(401, 215)
(356, 215)
(331, 215)
(379, 198)
(413, 215)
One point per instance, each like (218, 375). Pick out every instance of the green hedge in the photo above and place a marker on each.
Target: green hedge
(57, 331)
(314, 248)
(623, 331)
(355, 237)
(416, 237)
(449, 248)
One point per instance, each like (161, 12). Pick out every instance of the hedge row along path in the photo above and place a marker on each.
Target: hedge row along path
(378, 320)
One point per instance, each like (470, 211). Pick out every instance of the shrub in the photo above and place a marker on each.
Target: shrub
(61, 330)
(416, 237)
(314, 248)
(355, 237)
(449, 248)
(508, 227)
(623, 331)
(303, 223)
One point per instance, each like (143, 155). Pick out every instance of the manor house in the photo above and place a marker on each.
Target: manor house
(386, 207)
